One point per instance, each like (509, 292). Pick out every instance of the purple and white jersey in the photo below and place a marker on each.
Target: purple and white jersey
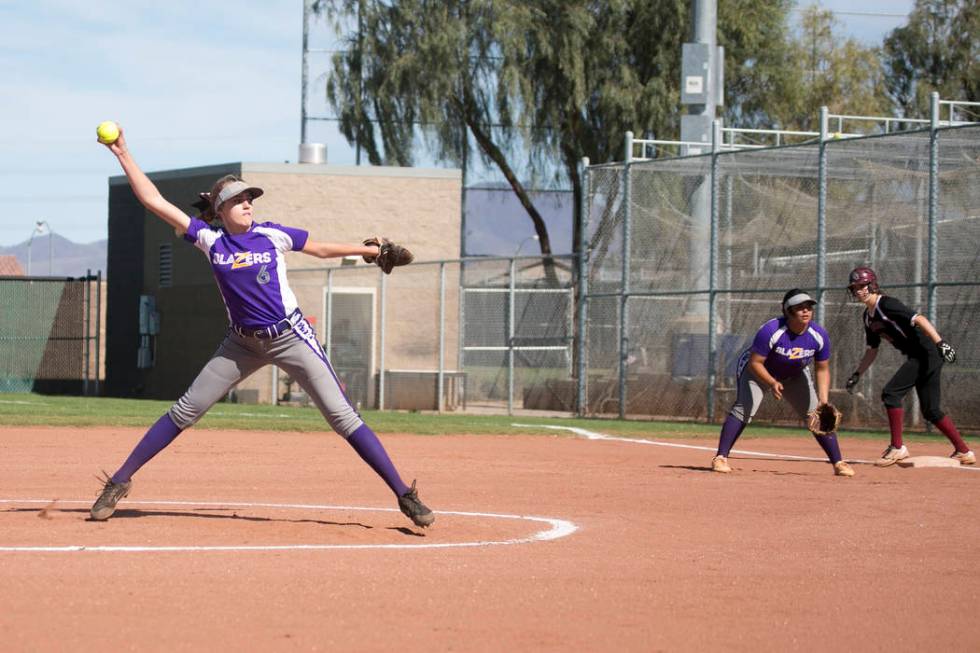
(787, 353)
(250, 269)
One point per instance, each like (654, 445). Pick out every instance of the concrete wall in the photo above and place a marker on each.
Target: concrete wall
(417, 207)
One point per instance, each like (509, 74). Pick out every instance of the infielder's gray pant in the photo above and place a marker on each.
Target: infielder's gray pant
(296, 352)
(797, 390)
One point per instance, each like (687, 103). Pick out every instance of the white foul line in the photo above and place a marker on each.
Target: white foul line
(558, 528)
(592, 435)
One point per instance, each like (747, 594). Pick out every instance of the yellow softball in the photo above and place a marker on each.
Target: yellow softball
(107, 132)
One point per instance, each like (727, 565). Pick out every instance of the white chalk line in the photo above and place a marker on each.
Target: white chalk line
(592, 435)
(558, 528)
(220, 414)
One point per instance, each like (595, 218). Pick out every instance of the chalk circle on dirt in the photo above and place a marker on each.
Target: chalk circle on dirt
(556, 529)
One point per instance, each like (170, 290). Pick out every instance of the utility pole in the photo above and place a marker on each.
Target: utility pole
(702, 65)
(702, 76)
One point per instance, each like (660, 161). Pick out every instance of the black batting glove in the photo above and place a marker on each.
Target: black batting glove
(946, 351)
(852, 382)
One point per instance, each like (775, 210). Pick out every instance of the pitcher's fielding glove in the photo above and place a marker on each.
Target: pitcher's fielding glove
(824, 420)
(389, 256)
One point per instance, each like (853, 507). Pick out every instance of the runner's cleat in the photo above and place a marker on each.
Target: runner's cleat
(892, 455)
(965, 458)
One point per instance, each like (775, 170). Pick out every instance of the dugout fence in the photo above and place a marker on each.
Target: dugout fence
(480, 333)
(51, 334)
(688, 256)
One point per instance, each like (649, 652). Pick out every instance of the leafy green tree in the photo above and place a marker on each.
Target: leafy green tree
(830, 71)
(537, 85)
(937, 50)
(761, 87)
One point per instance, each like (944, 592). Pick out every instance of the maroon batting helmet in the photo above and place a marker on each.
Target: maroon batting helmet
(863, 276)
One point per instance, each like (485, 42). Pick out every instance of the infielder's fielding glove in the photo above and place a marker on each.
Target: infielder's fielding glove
(390, 255)
(824, 420)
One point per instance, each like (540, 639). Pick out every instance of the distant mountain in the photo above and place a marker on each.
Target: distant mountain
(67, 258)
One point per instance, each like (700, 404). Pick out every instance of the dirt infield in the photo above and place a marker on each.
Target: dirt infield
(638, 547)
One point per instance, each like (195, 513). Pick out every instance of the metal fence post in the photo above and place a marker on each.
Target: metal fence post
(581, 402)
(461, 325)
(98, 330)
(328, 313)
(729, 266)
(624, 296)
(381, 344)
(510, 339)
(442, 337)
(933, 203)
(86, 320)
(822, 214)
(712, 265)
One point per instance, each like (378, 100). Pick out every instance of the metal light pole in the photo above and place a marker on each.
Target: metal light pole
(40, 228)
(518, 251)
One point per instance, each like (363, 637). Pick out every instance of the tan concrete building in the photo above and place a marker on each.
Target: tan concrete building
(165, 316)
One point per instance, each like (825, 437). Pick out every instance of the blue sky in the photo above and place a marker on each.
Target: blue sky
(192, 82)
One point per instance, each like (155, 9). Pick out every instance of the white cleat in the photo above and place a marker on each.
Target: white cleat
(892, 455)
(968, 458)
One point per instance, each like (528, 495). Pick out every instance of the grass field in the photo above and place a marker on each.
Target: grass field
(43, 410)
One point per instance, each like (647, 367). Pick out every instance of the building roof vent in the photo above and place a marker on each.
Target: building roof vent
(312, 153)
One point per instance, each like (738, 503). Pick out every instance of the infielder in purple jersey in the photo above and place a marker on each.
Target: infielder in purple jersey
(266, 327)
(778, 361)
(926, 352)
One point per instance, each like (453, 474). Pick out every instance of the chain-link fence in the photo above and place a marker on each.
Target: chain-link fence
(50, 338)
(689, 256)
(480, 332)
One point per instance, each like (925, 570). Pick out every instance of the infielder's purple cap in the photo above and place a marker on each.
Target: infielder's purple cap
(235, 188)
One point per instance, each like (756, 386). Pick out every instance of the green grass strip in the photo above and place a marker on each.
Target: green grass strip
(45, 410)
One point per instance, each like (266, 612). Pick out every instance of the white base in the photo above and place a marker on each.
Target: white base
(929, 461)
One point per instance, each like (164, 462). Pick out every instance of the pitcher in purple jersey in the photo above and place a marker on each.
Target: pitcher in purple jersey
(266, 327)
(926, 352)
(778, 361)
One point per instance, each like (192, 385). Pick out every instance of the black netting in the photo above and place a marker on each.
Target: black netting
(758, 222)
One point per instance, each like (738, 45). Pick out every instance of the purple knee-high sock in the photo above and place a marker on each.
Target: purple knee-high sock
(369, 447)
(159, 436)
(730, 430)
(830, 447)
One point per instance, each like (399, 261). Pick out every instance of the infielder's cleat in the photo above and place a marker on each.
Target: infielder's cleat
(414, 509)
(841, 468)
(892, 455)
(105, 505)
(967, 458)
(720, 464)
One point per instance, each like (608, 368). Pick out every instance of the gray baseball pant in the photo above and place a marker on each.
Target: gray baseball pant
(798, 391)
(296, 352)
